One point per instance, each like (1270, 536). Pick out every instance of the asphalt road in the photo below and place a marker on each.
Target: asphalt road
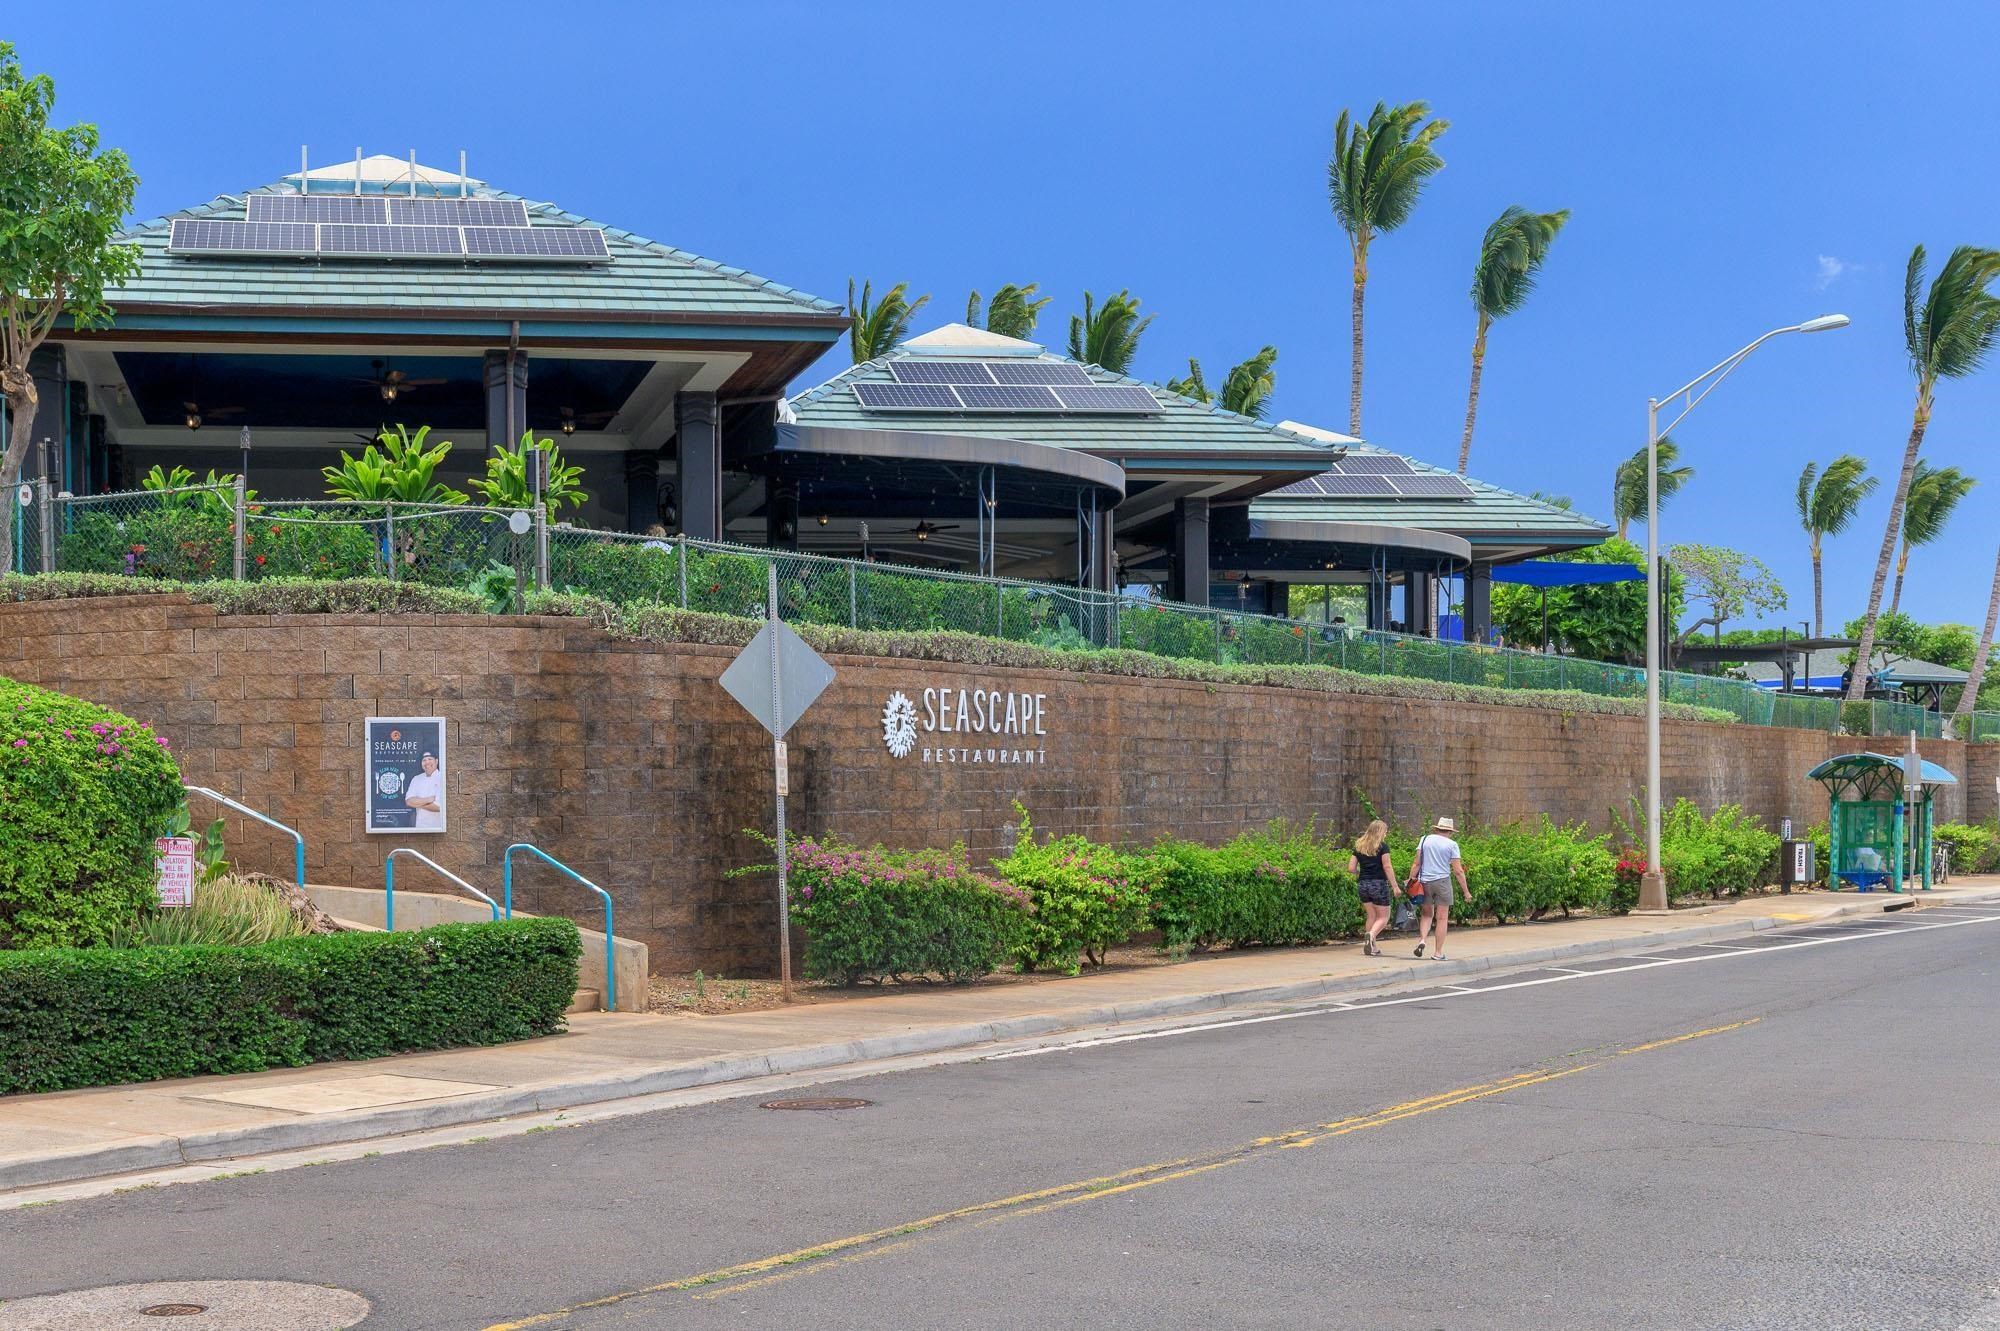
(1779, 1137)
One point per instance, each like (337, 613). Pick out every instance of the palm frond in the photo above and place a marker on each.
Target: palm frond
(1378, 170)
(1108, 335)
(1510, 255)
(1249, 386)
(1195, 386)
(1014, 311)
(879, 325)
(1829, 503)
(1628, 484)
(1934, 494)
(1954, 331)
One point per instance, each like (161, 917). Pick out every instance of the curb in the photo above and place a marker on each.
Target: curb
(164, 1151)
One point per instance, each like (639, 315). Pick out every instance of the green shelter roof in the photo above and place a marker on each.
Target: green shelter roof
(645, 281)
(1183, 427)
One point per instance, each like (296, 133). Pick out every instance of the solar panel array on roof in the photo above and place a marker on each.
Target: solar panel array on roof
(316, 208)
(1432, 486)
(1054, 373)
(953, 386)
(1031, 373)
(1373, 464)
(569, 244)
(1340, 481)
(457, 212)
(338, 226)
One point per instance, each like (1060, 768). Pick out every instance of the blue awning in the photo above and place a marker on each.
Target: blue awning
(1555, 573)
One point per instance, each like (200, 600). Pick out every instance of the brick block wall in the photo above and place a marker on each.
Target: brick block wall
(628, 761)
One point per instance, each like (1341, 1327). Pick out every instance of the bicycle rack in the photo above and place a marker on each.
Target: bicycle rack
(389, 884)
(299, 842)
(507, 893)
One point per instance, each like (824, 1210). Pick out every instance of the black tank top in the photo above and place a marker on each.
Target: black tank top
(1374, 868)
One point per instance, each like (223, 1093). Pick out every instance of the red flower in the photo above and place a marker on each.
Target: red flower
(260, 559)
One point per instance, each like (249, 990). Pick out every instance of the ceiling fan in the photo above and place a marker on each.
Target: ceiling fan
(192, 415)
(392, 384)
(572, 419)
(925, 529)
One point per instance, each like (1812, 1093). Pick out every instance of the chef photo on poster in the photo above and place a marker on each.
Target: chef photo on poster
(406, 774)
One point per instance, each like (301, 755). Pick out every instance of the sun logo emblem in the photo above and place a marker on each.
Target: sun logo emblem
(899, 725)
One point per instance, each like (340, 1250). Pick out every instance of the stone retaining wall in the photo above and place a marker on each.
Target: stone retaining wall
(629, 762)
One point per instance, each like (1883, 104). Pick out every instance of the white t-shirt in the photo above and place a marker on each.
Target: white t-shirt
(1435, 854)
(428, 786)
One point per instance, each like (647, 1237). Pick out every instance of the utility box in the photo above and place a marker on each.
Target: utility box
(1795, 865)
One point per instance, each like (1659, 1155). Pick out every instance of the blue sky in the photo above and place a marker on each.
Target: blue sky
(1730, 168)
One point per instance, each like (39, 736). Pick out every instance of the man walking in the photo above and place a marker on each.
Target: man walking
(1438, 863)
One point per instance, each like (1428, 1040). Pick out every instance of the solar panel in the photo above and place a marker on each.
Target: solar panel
(316, 208)
(416, 242)
(1109, 398)
(1053, 373)
(1432, 487)
(939, 372)
(1355, 487)
(906, 397)
(205, 236)
(456, 212)
(572, 244)
(1373, 464)
(1009, 397)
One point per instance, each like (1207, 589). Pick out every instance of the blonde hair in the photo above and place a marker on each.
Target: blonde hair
(1371, 840)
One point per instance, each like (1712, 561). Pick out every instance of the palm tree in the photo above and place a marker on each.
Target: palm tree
(1949, 334)
(1373, 180)
(1013, 311)
(1934, 493)
(878, 327)
(1509, 257)
(1628, 483)
(1246, 390)
(1552, 500)
(1107, 335)
(1968, 701)
(1827, 502)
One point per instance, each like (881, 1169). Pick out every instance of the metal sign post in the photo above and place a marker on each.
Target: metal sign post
(776, 678)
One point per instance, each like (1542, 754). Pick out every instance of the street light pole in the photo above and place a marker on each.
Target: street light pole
(1653, 884)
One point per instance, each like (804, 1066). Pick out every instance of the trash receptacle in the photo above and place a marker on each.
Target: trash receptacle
(1795, 865)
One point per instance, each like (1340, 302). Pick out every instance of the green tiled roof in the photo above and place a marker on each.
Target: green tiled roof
(1183, 426)
(645, 279)
(1491, 513)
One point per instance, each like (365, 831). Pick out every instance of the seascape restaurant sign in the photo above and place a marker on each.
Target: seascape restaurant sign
(406, 774)
(965, 726)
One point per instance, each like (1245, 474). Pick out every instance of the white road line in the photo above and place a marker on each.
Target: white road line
(1727, 947)
(1431, 995)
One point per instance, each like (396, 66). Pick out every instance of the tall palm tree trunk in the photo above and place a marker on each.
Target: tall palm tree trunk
(1968, 701)
(1472, 394)
(1819, 600)
(1902, 566)
(1864, 652)
(1354, 365)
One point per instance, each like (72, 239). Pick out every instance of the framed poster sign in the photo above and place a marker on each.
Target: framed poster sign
(406, 774)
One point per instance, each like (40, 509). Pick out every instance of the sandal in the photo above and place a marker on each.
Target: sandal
(1420, 949)
(1437, 956)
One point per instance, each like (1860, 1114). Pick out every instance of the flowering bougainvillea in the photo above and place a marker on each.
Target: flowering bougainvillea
(1086, 896)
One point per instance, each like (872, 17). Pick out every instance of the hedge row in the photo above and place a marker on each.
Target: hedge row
(84, 791)
(97, 1016)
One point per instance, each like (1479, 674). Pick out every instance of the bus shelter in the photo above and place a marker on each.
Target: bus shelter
(1878, 818)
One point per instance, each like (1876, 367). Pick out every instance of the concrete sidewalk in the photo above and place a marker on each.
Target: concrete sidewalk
(72, 1135)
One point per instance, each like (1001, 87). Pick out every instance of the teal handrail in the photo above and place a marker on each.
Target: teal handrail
(298, 842)
(507, 893)
(389, 884)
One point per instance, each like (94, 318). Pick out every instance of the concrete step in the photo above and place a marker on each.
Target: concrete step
(586, 1000)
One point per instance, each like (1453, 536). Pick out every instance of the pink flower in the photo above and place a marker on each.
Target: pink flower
(20, 744)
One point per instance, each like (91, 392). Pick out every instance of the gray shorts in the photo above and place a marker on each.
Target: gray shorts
(1437, 892)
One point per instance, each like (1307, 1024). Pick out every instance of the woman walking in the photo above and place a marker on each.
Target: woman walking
(1376, 875)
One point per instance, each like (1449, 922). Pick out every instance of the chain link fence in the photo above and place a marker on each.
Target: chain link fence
(189, 534)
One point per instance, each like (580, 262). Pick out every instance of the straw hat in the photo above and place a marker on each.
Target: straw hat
(1444, 825)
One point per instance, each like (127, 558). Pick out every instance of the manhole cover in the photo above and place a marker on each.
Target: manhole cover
(219, 1305)
(818, 1102)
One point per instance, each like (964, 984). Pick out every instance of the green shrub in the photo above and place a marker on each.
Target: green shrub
(310, 543)
(1975, 847)
(1523, 871)
(1191, 906)
(98, 1016)
(1086, 898)
(616, 570)
(1857, 718)
(1727, 851)
(1288, 885)
(170, 539)
(228, 911)
(83, 793)
(878, 915)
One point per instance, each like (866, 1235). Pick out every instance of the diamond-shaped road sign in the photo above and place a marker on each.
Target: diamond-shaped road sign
(803, 675)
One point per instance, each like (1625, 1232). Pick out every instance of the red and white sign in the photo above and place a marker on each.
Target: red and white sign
(173, 866)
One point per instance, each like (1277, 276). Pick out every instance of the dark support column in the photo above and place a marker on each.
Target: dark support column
(1104, 560)
(701, 465)
(1189, 580)
(1378, 599)
(1419, 614)
(51, 417)
(1479, 603)
(1278, 600)
(781, 515)
(506, 399)
(642, 489)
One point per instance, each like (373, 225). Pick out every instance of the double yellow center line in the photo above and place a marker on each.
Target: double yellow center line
(767, 1271)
